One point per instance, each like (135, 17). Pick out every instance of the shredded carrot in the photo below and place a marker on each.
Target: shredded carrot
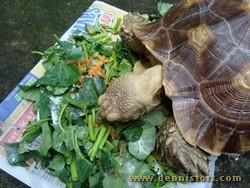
(96, 125)
(154, 154)
(97, 69)
(79, 67)
(79, 64)
(90, 31)
(112, 133)
(121, 150)
(116, 174)
(80, 81)
(82, 62)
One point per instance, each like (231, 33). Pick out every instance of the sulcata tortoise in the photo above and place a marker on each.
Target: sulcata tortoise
(201, 55)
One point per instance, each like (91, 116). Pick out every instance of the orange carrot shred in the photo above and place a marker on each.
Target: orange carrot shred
(112, 134)
(80, 81)
(96, 125)
(79, 67)
(97, 70)
(121, 150)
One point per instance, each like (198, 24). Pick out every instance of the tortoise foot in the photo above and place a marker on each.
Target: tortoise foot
(178, 153)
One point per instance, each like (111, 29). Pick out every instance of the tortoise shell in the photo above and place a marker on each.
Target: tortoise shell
(204, 46)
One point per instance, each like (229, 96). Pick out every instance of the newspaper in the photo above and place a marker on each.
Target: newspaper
(15, 112)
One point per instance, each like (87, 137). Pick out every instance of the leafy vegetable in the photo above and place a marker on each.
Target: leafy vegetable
(163, 7)
(15, 158)
(60, 75)
(145, 145)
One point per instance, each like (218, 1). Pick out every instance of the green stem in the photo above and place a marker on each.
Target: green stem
(75, 144)
(91, 128)
(149, 159)
(104, 138)
(73, 170)
(69, 159)
(100, 36)
(98, 129)
(116, 26)
(97, 143)
(60, 116)
(85, 51)
(113, 66)
(31, 125)
(171, 173)
(93, 117)
(70, 184)
(37, 52)
(58, 40)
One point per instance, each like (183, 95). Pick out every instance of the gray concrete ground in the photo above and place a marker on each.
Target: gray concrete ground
(28, 25)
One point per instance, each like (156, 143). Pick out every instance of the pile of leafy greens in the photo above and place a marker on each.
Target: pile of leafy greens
(74, 144)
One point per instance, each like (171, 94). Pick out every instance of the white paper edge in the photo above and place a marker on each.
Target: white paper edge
(25, 176)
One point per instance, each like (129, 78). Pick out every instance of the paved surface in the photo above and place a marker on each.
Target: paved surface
(29, 25)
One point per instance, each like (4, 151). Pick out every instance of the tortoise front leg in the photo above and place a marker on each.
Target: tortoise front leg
(178, 153)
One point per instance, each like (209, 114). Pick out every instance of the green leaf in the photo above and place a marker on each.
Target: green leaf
(133, 133)
(96, 85)
(58, 144)
(51, 56)
(163, 7)
(64, 176)
(57, 90)
(13, 157)
(84, 168)
(25, 147)
(32, 94)
(129, 165)
(60, 75)
(73, 53)
(88, 96)
(113, 181)
(108, 162)
(57, 164)
(55, 104)
(94, 181)
(76, 184)
(145, 145)
(47, 141)
(154, 118)
(67, 138)
(41, 106)
(30, 135)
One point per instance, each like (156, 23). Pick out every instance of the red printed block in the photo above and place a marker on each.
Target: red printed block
(16, 131)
